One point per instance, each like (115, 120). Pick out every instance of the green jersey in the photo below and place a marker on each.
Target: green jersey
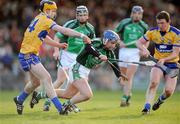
(130, 31)
(87, 59)
(75, 44)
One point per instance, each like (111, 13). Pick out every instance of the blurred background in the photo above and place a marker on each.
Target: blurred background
(16, 15)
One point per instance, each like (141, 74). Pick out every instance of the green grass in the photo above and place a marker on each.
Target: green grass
(102, 109)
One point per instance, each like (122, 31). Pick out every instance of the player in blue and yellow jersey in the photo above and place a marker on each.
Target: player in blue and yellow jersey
(68, 56)
(34, 36)
(166, 39)
(130, 30)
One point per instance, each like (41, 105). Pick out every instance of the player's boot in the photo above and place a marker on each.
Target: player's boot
(157, 104)
(19, 106)
(64, 110)
(75, 108)
(128, 100)
(146, 109)
(34, 99)
(47, 105)
(123, 102)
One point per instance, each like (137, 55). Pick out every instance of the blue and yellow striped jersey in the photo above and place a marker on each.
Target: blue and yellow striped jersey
(164, 41)
(35, 33)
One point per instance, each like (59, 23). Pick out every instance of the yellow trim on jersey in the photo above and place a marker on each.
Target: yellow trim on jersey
(163, 42)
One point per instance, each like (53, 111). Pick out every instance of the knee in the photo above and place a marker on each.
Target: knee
(88, 95)
(36, 84)
(153, 85)
(168, 92)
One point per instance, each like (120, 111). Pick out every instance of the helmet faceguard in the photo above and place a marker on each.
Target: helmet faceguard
(137, 9)
(82, 10)
(137, 13)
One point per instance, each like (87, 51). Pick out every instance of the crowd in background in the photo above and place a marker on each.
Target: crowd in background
(16, 15)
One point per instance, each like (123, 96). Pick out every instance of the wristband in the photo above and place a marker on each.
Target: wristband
(82, 35)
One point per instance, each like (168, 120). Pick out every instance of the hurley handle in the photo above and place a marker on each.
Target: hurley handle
(153, 59)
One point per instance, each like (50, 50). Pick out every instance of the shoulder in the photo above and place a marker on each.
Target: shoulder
(153, 29)
(90, 26)
(70, 23)
(126, 21)
(145, 25)
(96, 42)
(122, 24)
(44, 20)
(175, 30)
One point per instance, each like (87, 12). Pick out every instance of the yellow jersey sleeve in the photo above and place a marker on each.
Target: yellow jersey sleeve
(177, 39)
(148, 35)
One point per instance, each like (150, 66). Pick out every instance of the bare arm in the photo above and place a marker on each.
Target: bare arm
(142, 46)
(173, 55)
(48, 40)
(56, 49)
(72, 33)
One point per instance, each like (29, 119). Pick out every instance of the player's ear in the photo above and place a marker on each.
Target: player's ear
(169, 21)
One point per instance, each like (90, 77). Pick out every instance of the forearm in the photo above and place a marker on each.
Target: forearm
(56, 39)
(91, 50)
(67, 31)
(142, 44)
(173, 55)
(51, 42)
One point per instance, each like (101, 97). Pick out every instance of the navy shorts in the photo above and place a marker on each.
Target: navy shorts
(26, 60)
(170, 65)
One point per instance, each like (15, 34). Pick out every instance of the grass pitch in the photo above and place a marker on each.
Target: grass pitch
(102, 109)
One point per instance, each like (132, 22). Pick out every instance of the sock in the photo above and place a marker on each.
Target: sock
(128, 98)
(147, 106)
(68, 102)
(22, 97)
(162, 97)
(42, 95)
(125, 97)
(47, 102)
(57, 103)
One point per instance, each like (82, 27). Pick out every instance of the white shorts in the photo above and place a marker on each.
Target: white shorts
(67, 59)
(128, 55)
(78, 71)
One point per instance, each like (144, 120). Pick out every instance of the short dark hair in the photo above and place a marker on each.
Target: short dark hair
(163, 15)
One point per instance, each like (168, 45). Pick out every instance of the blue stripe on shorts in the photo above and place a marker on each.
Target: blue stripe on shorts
(171, 65)
(27, 59)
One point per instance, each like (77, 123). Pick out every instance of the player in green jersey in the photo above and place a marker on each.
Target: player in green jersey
(130, 30)
(90, 57)
(78, 89)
